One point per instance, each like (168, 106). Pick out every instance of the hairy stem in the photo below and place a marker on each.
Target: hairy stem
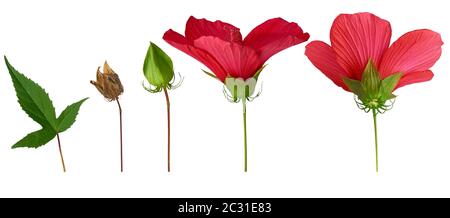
(60, 153)
(168, 128)
(121, 141)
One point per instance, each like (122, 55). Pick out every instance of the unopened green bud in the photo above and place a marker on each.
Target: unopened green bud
(158, 67)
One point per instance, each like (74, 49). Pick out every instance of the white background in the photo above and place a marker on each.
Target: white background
(306, 136)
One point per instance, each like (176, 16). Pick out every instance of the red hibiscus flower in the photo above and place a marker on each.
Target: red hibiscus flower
(235, 61)
(220, 47)
(361, 60)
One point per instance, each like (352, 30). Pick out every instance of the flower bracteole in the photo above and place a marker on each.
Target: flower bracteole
(387, 106)
(151, 89)
(172, 85)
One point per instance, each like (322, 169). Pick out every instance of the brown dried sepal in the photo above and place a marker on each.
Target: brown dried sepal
(108, 83)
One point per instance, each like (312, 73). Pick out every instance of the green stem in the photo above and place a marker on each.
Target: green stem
(245, 133)
(376, 137)
(60, 153)
(168, 128)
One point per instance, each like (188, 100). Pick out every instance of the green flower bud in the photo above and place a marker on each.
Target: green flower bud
(158, 68)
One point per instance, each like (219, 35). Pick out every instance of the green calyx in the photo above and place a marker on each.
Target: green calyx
(158, 70)
(240, 89)
(372, 92)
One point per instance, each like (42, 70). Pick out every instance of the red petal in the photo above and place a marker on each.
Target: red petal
(238, 61)
(415, 51)
(323, 57)
(274, 36)
(196, 28)
(415, 77)
(180, 42)
(356, 38)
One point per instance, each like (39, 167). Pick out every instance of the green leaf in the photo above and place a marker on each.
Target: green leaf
(371, 80)
(388, 85)
(69, 115)
(36, 139)
(356, 87)
(33, 99)
(158, 67)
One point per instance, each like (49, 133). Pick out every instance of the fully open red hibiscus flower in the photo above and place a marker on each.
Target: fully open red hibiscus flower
(235, 61)
(220, 47)
(361, 60)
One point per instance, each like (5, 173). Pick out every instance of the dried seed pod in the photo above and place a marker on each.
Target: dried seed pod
(108, 83)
